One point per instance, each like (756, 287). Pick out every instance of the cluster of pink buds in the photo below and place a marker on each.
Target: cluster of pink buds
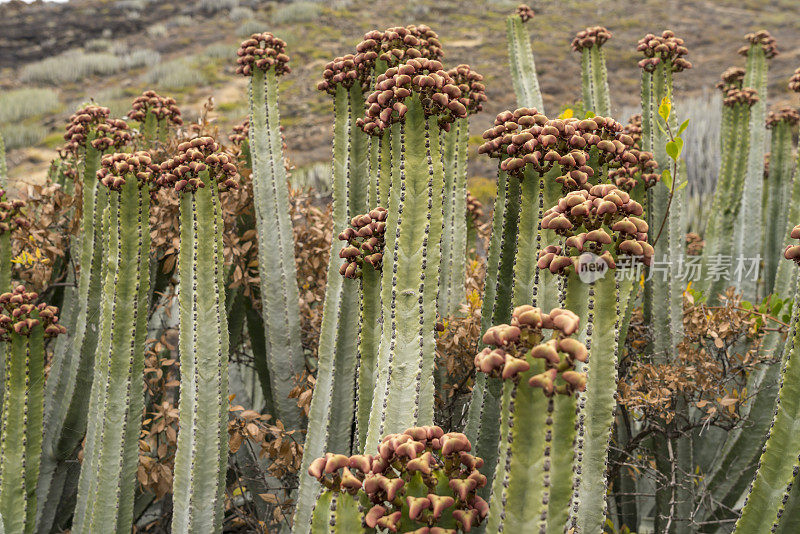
(595, 35)
(603, 220)
(732, 78)
(473, 92)
(525, 12)
(241, 132)
(163, 108)
(792, 252)
(794, 81)
(439, 94)
(634, 129)
(93, 120)
(195, 158)
(513, 349)
(20, 314)
(543, 143)
(262, 51)
(398, 44)
(747, 96)
(365, 241)
(439, 466)
(785, 114)
(763, 39)
(347, 71)
(11, 216)
(666, 49)
(116, 167)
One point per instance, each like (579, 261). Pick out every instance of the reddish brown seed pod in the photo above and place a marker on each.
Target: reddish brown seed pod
(163, 108)
(666, 49)
(195, 162)
(19, 313)
(262, 51)
(594, 35)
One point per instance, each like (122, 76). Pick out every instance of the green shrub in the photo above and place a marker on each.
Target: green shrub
(22, 135)
(20, 104)
(251, 26)
(296, 12)
(176, 74)
(75, 65)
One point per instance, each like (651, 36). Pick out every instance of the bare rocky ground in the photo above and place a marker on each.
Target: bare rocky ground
(471, 32)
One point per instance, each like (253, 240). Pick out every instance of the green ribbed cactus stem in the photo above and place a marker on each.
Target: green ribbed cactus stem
(11, 218)
(369, 335)
(331, 414)
(25, 326)
(404, 391)
(483, 417)
(384, 162)
(594, 76)
(777, 191)
(337, 512)
(202, 451)
(780, 459)
(608, 299)
(454, 238)
(663, 294)
(750, 218)
(111, 450)
(155, 114)
(69, 382)
(521, 62)
(279, 292)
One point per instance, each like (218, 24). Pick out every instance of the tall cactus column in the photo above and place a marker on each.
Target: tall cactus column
(332, 404)
(111, 451)
(422, 98)
(11, 218)
(24, 325)
(778, 190)
(780, 459)
(761, 48)
(454, 238)
(594, 76)
(520, 55)
(198, 173)
(262, 58)
(89, 134)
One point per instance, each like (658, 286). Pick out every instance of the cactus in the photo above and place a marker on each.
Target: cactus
(521, 353)
(155, 114)
(422, 480)
(520, 55)
(780, 459)
(594, 77)
(11, 218)
(761, 48)
(332, 404)
(454, 153)
(262, 59)
(111, 450)
(24, 327)
(422, 99)
(3, 168)
(89, 134)
(198, 172)
(778, 190)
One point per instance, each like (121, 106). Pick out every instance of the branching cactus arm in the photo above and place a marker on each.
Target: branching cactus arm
(24, 328)
(156, 115)
(594, 76)
(262, 59)
(521, 62)
(198, 172)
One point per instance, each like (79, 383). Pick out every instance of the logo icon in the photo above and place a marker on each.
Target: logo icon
(591, 267)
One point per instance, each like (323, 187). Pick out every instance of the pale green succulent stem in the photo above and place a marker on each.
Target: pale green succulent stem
(6, 255)
(331, 412)
(727, 143)
(786, 272)
(337, 513)
(203, 344)
(454, 237)
(750, 221)
(369, 336)
(483, 427)
(277, 272)
(594, 81)
(384, 164)
(523, 67)
(111, 450)
(776, 196)
(608, 298)
(21, 435)
(780, 459)
(410, 281)
(70, 379)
